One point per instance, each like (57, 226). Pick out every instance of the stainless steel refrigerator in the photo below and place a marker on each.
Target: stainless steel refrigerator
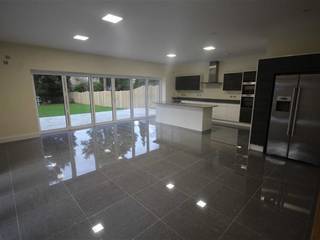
(294, 130)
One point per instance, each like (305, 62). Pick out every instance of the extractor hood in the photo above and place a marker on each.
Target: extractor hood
(213, 73)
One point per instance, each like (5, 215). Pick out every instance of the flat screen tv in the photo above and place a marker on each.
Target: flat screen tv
(188, 82)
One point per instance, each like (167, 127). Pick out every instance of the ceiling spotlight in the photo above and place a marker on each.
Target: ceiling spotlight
(239, 147)
(171, 55)
(97, 228)
(112, 18)
(80, 37)
(201, 203)
(209, 48)
(120, 157)
(107, 150)
(170, 186)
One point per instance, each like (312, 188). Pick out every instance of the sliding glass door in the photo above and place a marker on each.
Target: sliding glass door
(102, 98)
(153, 96)
(50, 101)
(122, 98)
(78, 88)
(139, 97)
(73, 101)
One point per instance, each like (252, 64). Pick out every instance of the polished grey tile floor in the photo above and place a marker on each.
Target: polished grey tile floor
(142, 180)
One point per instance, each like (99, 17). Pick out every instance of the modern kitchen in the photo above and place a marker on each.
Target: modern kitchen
(162, 120)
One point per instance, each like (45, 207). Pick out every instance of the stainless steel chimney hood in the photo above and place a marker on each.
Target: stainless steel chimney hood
(213, 73)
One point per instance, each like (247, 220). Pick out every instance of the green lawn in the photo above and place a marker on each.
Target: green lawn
(51, 110)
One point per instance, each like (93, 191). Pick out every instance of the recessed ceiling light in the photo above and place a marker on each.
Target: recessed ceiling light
(112, 18)
(209, 48)
(171, 55)
(120, 157)
(170, 186)
(107, 150)
(97, 228)
(201, 203)
(80, 37)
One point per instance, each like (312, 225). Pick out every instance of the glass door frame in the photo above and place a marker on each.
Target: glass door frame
(64, 75)
(67, 103)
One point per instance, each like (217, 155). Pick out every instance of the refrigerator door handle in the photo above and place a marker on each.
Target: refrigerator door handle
(293, 95)
(296, 112)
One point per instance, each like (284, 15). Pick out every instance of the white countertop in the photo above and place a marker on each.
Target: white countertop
(185, 105)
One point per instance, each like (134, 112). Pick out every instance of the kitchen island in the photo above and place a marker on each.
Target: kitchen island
(191, 116)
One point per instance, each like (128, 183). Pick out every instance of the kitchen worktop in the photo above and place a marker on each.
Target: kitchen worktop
(231, 101)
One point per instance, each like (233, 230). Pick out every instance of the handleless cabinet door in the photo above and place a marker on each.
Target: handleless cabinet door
(281, 114)
(305, 139)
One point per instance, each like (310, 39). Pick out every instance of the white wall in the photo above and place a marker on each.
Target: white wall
(17, 100)
(227, 65)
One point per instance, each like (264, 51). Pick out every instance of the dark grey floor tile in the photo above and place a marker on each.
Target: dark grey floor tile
(207, 168)
(159, 231)
(50, 218)
(98, 197)
(188, 182)
(79, 231)
(238, 232)
(85, 181)
(143, 161)
(5, 181)
(123, 220)
(8, 219)
(240, 183)
(162, 153)
(120, 168)
(193, 222)
(31, 175)
(32, 198)
(162, 169)
(297, 173)
(160, 199)
(134, 181)
(222, 199)
(267, 217)
(182, 159)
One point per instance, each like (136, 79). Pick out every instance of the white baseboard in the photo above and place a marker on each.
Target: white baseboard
(256, 148)
(19, 137)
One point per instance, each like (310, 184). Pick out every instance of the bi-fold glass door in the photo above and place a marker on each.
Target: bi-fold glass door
(74, 101)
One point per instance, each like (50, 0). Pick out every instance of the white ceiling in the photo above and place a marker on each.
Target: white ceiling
(151, 28)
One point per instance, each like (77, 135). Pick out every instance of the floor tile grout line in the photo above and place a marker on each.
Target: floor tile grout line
(14, 196)
(160, 219)
(142, 205)
(240, 211)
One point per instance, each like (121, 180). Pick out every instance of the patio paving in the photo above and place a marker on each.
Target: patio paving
(49, 123)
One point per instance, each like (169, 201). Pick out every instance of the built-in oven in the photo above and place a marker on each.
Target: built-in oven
(248, 89)
(246, 102)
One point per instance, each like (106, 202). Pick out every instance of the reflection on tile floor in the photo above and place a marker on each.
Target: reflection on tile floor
(142, 180)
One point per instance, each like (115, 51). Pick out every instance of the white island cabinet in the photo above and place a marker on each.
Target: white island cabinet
(191, 116)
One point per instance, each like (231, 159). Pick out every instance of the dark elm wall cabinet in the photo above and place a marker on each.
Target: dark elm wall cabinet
(267, 69)
(232, 81)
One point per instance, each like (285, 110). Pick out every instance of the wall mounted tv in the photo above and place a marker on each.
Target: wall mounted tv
(188, 82)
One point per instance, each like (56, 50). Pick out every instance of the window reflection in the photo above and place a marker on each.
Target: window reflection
(85, 151)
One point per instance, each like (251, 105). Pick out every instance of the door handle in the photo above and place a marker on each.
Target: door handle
(293, 95)
(296, 112)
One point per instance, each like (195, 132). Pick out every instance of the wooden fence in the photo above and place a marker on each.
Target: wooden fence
(103, 98)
